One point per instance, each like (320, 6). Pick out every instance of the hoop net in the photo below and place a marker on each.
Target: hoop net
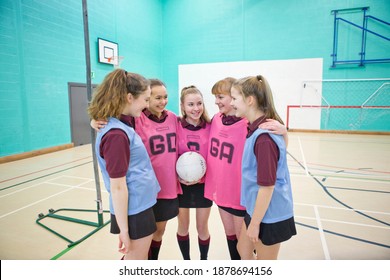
(356, 105)
(116, 61)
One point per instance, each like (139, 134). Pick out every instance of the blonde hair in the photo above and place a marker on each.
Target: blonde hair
(193, 90)
(223, 86)
(110, 96)
(258, 87)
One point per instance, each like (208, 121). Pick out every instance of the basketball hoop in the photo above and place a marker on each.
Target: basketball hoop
(116, 61)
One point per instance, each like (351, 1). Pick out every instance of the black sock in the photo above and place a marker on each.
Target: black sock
(154, 250)
(204, 247)
(184, 244)
(232, 245)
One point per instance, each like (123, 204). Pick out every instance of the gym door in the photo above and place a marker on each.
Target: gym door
(79, 119)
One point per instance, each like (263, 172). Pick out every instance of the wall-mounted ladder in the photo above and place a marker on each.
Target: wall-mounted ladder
(362, 61)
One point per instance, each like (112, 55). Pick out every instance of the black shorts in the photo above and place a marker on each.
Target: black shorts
(166, 209)
(274, 233)
(234, 212)
(140, 225)
(193, 197)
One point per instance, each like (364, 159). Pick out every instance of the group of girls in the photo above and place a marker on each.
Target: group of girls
(129, 113)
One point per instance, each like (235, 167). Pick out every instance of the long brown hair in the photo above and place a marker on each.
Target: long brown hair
(258, 87)
(193, 90)
(109, 98)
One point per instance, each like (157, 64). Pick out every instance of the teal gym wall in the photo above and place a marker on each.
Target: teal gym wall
(42, 49)
(223, 31)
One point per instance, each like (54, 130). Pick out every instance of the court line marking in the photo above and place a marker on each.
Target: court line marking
(78, 177)
(38, 201)
(20, 190)
(333, 176)
(350, 172)
(322, 235)
(341, 208)
(52, 183)
(347, 236)
(350, 168)
(348, 176)
(303, 156)
(325, 189)
(66, 177)
(40, 177)
(79, 188)
(358, 190)
(41, 170)
(338, 138)
(341, 222)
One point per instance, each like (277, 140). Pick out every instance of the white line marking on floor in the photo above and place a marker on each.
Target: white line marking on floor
(38, 201)
(341, 208)
(343, 222)
(303, 156)
(322, 235)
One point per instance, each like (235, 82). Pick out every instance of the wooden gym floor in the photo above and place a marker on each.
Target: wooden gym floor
(341, 187)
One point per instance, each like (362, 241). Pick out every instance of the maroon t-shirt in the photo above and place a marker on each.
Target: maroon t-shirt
(154, 118)
(191, 127)
(267, 155)
(229, 120)
(115, 149)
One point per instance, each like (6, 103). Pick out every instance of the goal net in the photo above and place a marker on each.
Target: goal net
(355, 105)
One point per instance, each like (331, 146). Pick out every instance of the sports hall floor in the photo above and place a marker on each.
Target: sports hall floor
(341, 188)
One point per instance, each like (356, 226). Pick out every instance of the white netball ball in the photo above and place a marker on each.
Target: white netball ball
(191, 166)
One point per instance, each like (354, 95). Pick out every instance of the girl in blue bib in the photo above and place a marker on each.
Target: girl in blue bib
(124, 162)
(265, 184)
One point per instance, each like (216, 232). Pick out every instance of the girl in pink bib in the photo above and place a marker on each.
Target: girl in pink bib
(158, 130)
(193, 135)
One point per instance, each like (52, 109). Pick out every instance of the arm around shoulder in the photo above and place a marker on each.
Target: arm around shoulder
(275, 127)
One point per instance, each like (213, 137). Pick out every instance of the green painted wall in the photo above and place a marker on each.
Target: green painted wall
(42, 49)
